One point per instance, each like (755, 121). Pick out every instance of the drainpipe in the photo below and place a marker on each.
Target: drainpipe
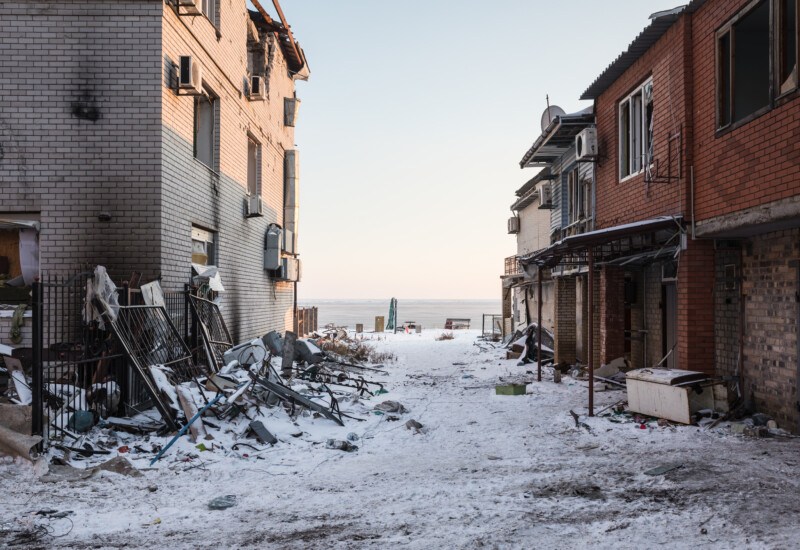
(591, 331)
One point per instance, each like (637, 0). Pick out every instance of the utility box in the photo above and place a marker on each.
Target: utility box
(272, 248)
(359, 328)
(674, 394)
(379, 323)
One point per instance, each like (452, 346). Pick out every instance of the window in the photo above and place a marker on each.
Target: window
(205, 137)
(209, 8)
(746, 80)
(204, 246)
(253, 167)
(575, 197)
(786, 47)
(19, 256)
(636, 131)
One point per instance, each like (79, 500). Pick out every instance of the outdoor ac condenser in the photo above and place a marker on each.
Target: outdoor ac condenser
(545, 196)
(190, 75)
(513, 225)
(272, 248)
(289, 269)
(255, 206)
(586, 144)
(288, 241)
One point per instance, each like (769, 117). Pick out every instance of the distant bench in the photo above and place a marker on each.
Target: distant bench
(456, 324)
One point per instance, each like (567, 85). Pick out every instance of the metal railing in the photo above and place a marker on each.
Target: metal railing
(307, 319)
(512, 266)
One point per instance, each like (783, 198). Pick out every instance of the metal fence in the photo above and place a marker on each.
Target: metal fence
(80, 372)
(306, 320)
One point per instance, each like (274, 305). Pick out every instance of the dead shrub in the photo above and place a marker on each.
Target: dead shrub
(445, 336)
(357, 352)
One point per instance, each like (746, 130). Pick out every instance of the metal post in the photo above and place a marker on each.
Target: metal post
(36, 371)
(186, 313)
(591, 331)
(539, 326)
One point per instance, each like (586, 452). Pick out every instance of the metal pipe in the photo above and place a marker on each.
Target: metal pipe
(36, 372)
(691, 179)
(539, 329)
(591, 331)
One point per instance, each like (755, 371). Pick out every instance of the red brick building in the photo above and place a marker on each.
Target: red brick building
(700, 120)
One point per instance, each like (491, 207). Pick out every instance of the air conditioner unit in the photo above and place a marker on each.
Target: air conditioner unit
(289, 271)
(190, 75)
(288, 241)
(545, 196)
(255, 206)
(513, 225)
(586, 144)
(190, 7)
(257, 90)
(272, 248)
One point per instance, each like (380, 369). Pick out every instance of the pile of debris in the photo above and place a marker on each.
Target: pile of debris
(524, 345)
(217, 395)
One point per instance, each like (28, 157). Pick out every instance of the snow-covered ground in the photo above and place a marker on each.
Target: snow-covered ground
(486, 471)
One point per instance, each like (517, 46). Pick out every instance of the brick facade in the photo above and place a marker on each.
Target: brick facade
(771, 316)
(612, 313)
(565, 331)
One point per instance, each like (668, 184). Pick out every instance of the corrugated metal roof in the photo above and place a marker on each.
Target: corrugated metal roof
(557, 138)
(660, 24)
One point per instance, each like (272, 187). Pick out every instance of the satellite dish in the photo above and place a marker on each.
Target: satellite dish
(551, 113)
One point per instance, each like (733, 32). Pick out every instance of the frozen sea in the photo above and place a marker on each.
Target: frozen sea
(429, 313)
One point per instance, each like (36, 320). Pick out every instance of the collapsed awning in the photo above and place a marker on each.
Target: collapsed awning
(645, 240)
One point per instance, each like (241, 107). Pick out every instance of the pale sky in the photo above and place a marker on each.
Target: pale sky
(413, 124)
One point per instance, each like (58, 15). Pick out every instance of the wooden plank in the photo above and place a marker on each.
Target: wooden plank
(197, 429)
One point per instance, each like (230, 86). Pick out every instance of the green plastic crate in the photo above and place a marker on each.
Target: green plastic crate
(511, 389)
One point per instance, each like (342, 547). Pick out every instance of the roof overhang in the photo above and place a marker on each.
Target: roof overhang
(660, 24)
(556, 139)
(641, 241)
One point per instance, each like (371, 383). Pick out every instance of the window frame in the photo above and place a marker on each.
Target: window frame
(206, 237)
(626, 138)
(776, 98)
(256, 166)
(209, 8)
(214, 138)
(777, 54)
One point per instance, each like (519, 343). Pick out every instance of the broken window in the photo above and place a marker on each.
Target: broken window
(743, 65)
(19, 257)
(786, 47)
(205, 130)
(204, 246)
(253, 167)
(636, 131)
